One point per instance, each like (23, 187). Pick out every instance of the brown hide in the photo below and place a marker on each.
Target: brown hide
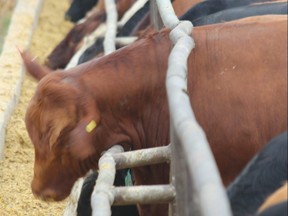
(237, 82)
(63, 52)
(181, 6)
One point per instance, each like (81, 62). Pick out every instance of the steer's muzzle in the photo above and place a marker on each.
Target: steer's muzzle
(46, 194)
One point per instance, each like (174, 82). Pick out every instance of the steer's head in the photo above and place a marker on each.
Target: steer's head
(64, 124)
(60, 123)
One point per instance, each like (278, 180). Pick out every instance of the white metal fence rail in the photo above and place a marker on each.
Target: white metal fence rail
(197, 188)
(105, 193)
(112, 18)
(187, 137)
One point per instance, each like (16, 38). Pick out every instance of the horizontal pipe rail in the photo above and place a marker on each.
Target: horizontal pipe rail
(142, 157)
(144, 194)
(104, 193)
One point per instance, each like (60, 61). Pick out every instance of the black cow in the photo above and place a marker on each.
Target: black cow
(208, 7)
(78, 9)
(241, 12)
(264, 174)
(84, 202)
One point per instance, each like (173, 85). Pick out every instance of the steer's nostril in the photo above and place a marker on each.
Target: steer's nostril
(46, 195)
(43, 194)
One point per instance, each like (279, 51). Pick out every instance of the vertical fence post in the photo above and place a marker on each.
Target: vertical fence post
(155, 18)
(180, 177)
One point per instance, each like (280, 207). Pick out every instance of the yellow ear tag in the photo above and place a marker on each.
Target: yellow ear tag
(90, 126)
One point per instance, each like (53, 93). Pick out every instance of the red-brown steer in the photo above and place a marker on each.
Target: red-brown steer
(237, 83)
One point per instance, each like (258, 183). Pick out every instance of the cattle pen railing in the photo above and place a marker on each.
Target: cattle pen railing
(195, 185)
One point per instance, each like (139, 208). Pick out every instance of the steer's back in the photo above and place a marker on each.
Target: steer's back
(238, 86)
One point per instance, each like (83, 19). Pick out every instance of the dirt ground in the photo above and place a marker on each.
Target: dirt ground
(6, 9)
(16, 170)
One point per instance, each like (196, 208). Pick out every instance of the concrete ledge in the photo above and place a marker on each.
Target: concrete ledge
(23, 22)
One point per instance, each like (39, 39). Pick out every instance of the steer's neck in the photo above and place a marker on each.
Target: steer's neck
(131, 84)
(132, 70)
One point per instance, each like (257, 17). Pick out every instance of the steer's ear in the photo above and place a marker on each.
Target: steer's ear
(33, 67)
(81, 137)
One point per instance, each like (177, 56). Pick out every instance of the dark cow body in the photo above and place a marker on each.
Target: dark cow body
(208, 7)
(91, 52)
(78, 9)
(96, 50)
(84, 202)
(241, 12)
(261, 177)
(236, 75)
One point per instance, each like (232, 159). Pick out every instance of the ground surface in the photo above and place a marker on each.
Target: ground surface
(16, 170)
(6, 8)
